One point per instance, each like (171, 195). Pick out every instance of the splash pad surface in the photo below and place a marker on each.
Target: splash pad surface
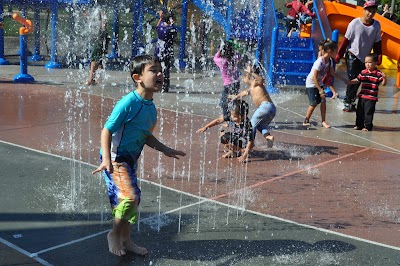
(318, 197)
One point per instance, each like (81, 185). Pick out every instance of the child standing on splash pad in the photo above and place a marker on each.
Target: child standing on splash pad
(266, 109)
(99, 41)
(123, 137)
(164, 50)
(314, 87)
(227, 60)
(240, 139)
(370, 78)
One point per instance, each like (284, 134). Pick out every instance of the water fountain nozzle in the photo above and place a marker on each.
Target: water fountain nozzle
(28, 26)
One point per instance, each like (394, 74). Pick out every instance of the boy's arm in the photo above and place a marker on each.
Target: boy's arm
(215, 122)
(239, 95)
(384, 79)
(342, 49)
(353, 81)
(106, 152)
(321, 90)
(161, 18)
(154, 143)
(246, 151)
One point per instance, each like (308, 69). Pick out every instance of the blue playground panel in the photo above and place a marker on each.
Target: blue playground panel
(35, 3)
(294, 60)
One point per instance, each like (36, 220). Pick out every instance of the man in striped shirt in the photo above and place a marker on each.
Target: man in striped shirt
(370, 78)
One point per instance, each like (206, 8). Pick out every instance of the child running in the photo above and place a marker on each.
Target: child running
(370, 79)
(227, 60)
(266, 109)
(240, 140)
(123, 137)
(314, 87)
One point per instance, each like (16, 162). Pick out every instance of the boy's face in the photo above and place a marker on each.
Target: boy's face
(151, 78)
(369, 13)
(236, 118)
(370, 64)
(334, 53)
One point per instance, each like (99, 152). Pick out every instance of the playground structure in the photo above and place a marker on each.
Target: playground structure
(229, 16)
(286, 61)
(292, 58)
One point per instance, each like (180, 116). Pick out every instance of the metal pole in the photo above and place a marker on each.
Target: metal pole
(115, 33)
(182, 43)
(36, 50)
(54, 25)
(392, 7)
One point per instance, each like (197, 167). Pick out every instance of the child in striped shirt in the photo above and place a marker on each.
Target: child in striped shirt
(370, 78)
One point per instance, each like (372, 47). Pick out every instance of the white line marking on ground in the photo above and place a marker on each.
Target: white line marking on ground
(70, 242)
(341, 130)
(23, 251)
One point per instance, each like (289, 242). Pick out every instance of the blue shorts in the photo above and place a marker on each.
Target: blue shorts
(314, 98)
(262, 117)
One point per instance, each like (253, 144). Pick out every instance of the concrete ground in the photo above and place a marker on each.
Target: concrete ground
(318, 197)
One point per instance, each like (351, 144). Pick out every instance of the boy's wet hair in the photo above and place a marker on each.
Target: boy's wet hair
(240, 107)
(227, 50)
(139, 62)
(257, 69)
(373, 56)
(330, 45)
(168, 15)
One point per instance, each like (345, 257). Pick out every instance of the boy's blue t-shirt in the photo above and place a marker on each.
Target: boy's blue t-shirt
(130, 123)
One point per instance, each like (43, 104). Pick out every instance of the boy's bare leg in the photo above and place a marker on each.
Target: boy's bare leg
(290, 32)
(310, 110)
(114, 238)
(334, 92)
(127, 243)
(93, 67)
(323, 115)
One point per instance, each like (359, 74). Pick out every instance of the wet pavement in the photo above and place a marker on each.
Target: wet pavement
(318, 197)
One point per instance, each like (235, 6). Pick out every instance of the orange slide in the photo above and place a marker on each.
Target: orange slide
(340, 15)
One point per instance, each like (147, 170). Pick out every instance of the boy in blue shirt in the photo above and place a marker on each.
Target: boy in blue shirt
(123, 137)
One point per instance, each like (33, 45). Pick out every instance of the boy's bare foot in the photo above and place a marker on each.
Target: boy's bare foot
(270, 141)
(326, 125)
(132, 247)
(306, 122)
(356, 128)
(90, 82)
(114, 245)
(364, 129)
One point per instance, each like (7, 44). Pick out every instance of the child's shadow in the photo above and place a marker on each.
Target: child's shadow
(296, 126)
(290, 151)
